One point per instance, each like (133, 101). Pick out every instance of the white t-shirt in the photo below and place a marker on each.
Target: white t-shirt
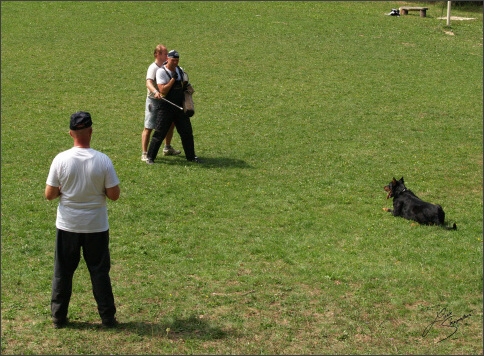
(83, 174)
(151, 74)
(162, 76)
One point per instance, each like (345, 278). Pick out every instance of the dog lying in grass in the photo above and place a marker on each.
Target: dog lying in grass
(409, 206)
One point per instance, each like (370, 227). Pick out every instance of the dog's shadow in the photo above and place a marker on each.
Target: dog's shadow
(192, 327)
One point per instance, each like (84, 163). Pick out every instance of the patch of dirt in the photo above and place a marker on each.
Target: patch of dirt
(458, 18)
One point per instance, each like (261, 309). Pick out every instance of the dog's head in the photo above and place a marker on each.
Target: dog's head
(395, 187)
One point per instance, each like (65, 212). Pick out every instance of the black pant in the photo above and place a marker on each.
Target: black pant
(95, 250)
(166, 116)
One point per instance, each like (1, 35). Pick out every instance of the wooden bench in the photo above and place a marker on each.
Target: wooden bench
(405, 9)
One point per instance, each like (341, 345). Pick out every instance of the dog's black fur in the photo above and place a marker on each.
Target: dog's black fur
(409, 206)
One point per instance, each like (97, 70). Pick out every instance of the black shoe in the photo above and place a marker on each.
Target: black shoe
(110, 323)
(59, 323)
(196, 160)
(149, 161)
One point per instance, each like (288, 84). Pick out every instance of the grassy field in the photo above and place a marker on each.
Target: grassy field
(277, 243)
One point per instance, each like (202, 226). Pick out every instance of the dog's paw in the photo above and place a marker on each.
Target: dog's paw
(386, 209)
(414, 224)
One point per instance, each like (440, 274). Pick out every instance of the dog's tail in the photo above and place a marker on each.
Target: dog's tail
(453, 227)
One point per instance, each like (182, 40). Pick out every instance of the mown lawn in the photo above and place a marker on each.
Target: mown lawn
(277, 243)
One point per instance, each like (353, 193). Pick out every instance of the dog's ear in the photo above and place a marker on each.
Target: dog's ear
(394, 181)
(401, 179)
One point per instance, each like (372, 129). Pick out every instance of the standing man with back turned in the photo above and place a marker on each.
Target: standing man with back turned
(152, 105)
(82, 178)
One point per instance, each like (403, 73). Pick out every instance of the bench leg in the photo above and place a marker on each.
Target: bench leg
(404, 12)
(423, 13)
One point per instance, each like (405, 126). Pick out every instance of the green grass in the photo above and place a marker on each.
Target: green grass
(278, 242)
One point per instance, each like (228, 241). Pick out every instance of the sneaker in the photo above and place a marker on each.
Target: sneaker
(170, 151)
(196, 160)
(110, 323)
(144, 157)
(149, 161)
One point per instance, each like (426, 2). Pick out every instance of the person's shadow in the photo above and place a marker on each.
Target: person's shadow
(192, 327)
(218, 162)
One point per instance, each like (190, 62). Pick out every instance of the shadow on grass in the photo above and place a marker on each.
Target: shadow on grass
(177, 328)
(219, 162)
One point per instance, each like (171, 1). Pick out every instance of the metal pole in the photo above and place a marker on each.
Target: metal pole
(448, 13)
(168, 101)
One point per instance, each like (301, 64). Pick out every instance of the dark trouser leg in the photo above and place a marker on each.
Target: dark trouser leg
(164, 122)
(184, 128)
(155, 144)
(67, 256)
(95, 250)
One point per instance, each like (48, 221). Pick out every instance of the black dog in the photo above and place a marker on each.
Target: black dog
(409, 206)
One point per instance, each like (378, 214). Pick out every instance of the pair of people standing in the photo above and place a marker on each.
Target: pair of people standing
(171, 84)
(151, 106)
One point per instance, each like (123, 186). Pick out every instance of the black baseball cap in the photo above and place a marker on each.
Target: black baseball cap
(80, 120)
(173, 54)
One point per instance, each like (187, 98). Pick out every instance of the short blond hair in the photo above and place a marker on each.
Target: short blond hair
(160, 49)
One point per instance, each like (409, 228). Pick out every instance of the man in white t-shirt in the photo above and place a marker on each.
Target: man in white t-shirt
(82, 178)
(153, 98)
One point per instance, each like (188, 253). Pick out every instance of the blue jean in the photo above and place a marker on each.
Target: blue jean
(151, 111)
(95, 250)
